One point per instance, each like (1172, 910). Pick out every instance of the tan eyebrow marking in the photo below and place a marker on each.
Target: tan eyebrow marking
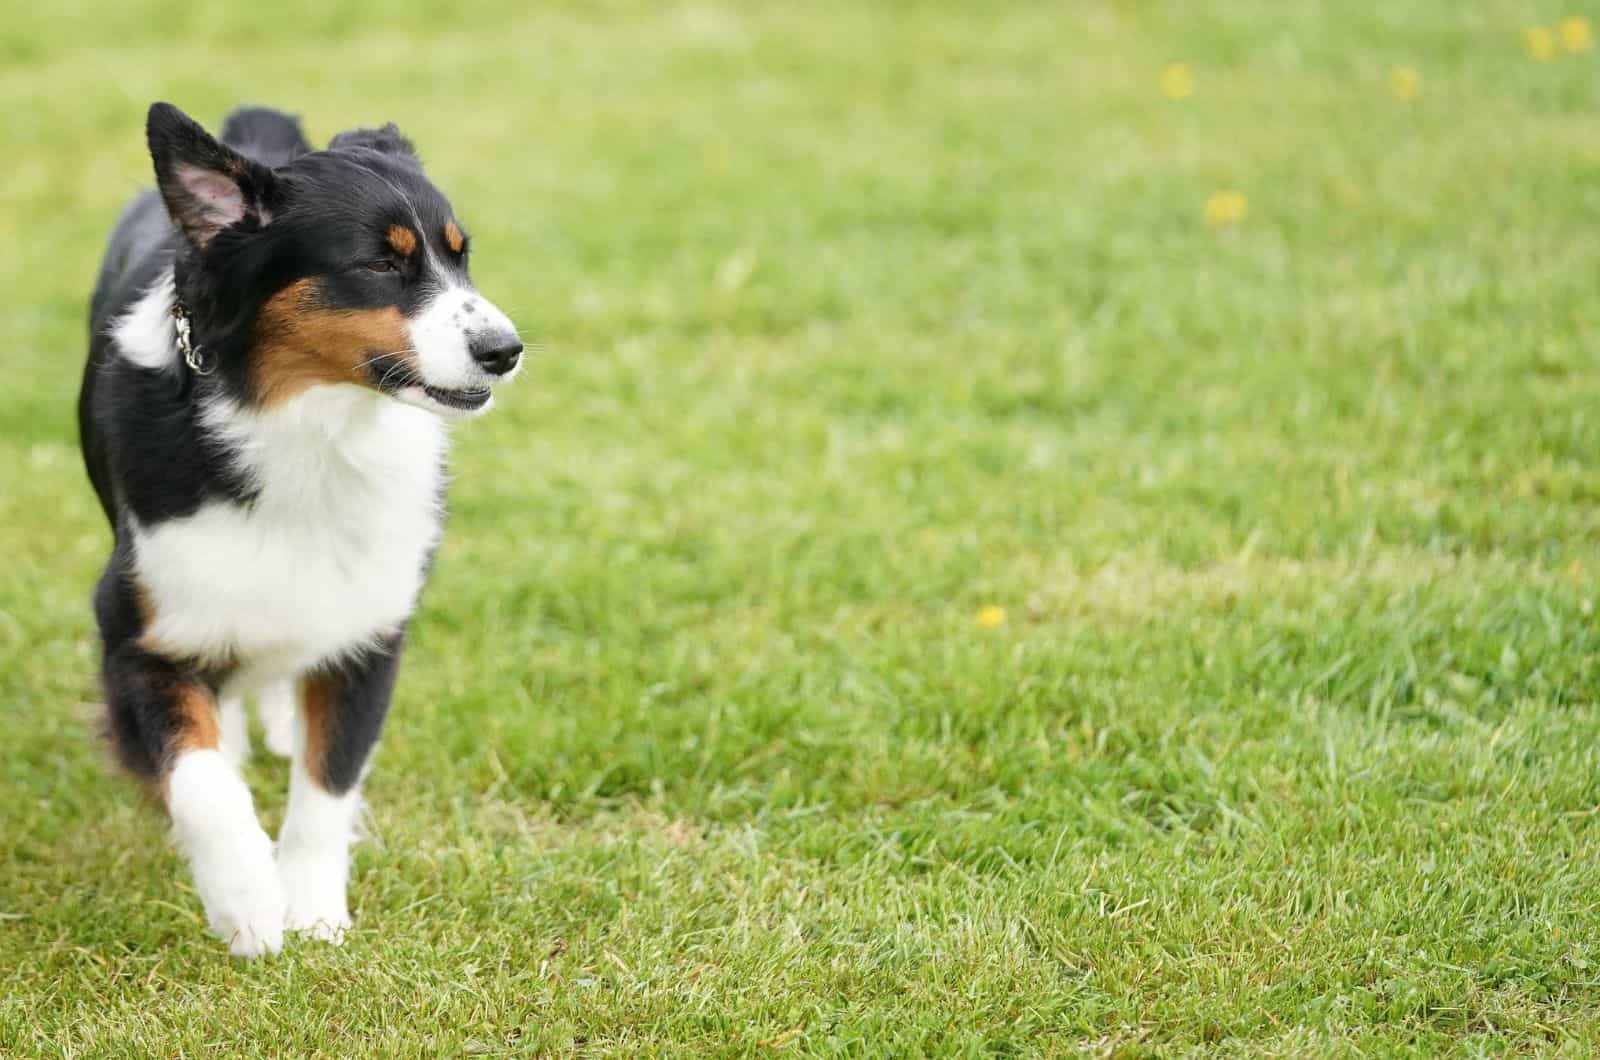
(453, 237)
(402, 239)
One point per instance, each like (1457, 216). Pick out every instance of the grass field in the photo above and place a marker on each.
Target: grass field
(934, 593)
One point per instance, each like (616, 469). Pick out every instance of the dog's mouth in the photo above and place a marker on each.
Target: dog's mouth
(401, 380)
(443, 400)
(467, 399)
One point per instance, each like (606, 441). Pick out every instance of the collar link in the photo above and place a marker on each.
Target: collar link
(193, 355)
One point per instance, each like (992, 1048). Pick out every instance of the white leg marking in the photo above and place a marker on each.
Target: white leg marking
(314, 852)
(276, 705)
(235, 729)
(214, 822)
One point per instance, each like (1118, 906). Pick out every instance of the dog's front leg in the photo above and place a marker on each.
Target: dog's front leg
(342, 708)
(165, 721)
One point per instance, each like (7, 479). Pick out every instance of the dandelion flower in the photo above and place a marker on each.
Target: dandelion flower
(1539, 43)
(1575, 34)
(1177, 81)
(991, 616)
(1225, 208)
(1405, 83)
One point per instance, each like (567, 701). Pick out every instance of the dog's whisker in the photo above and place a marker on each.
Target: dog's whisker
(397, 365)
(408, 376)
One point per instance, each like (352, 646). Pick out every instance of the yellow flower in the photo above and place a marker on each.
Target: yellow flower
(1539, 43)
(1575, 33)
(1177, 81)
(991, 616)
(1405, 82)
(1226, 208)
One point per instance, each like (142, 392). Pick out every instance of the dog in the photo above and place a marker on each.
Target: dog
(277, 337)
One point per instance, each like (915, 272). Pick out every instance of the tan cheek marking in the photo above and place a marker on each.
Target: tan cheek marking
(453, 237)
(319, 699)
(402, 239)
(300, 344)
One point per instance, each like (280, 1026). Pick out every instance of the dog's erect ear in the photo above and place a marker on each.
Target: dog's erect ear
(207, 185)
(389, 140)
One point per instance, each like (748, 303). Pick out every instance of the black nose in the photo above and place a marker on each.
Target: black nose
(496, 353)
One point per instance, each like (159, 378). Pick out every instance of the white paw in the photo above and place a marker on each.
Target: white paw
(328, 927)
(241, 892)
(276, 706)
(250, 923)
(229, 855)
(314, 888)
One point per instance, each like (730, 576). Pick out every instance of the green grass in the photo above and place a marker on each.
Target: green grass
(859, 319)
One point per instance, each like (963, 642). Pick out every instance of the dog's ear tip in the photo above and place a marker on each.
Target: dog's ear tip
(165, 122)
(160, 113)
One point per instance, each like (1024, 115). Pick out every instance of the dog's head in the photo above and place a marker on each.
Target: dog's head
(338, 266)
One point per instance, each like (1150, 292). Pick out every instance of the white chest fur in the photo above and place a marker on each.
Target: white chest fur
(328, 556)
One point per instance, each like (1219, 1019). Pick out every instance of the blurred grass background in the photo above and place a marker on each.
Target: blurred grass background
(934, 591)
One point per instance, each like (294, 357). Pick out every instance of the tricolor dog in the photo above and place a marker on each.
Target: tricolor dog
(277, 338)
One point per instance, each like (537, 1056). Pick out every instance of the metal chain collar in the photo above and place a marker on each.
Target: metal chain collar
(191, 353)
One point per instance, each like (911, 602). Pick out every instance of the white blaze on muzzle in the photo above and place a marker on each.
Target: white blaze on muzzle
(461, 340)
(461, 345)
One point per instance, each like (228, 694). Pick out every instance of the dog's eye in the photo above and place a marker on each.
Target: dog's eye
(380, 266)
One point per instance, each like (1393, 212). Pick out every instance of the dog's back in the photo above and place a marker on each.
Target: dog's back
(141, 247)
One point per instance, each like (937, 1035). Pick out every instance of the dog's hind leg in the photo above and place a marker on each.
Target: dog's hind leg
(235, 727)
(342, 708)
(276, 705)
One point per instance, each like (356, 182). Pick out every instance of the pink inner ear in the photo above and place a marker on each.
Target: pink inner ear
(218, 201)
